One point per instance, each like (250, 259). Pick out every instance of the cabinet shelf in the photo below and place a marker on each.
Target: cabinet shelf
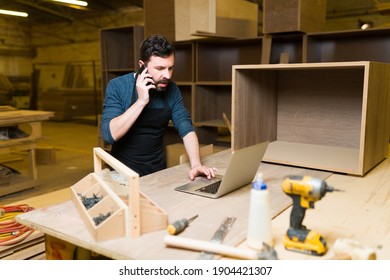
(120, 70)
(214, 83)
(212, 123)
(290, 44)
(185, 59)
(355, 45)
(344, 160)
(19, 183)
(211, 102)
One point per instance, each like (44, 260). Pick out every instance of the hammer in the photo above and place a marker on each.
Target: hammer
(267, 253)
(347, 249)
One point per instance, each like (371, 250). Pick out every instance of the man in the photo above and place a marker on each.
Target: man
(138, 108)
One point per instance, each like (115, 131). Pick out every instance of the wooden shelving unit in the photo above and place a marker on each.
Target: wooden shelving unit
(119, 51)
(203, 74)
(212, 93)
(203, 67)
(32, 120)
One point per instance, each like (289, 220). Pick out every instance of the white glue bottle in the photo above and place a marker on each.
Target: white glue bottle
(259, 220)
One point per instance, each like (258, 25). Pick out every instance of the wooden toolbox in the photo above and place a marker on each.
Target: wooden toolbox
(114, 208)
(328, 116)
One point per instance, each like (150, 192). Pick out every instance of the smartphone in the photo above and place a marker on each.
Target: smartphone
(140, 70)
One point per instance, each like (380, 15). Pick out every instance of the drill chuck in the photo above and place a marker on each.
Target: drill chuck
(309, 189)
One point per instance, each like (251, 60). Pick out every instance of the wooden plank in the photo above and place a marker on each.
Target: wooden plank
(8, 157)
(237, 18)
(6, 108)
(23, 116)
(27, 251)
(293, 16)
(343, 160)
(203, 15)
(17, 184)
(34, 238)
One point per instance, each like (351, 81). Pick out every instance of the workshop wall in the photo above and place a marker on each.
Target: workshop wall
(74, 42)
(22, 45)
(16, 52)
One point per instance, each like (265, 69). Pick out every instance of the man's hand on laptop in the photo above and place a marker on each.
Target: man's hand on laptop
(202, 170)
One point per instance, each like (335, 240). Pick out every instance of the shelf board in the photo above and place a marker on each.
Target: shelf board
(341, 160)
(24, 143)
(214, 83)
(116, 70)
(184, 83)
(18, 183)
(212, 123)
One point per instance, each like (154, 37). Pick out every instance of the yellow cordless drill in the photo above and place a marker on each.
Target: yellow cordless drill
(304, 191)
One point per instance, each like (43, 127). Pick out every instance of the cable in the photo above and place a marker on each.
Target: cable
(11, 232)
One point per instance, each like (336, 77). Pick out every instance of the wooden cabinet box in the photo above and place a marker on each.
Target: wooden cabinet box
(180, 20)
(293, 16)
(329, 116)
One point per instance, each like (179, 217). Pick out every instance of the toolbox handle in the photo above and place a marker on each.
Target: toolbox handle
(101, 155)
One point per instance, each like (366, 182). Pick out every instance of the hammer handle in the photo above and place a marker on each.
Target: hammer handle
(199, 245)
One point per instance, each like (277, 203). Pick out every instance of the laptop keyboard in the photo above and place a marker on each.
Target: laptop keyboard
(212, 188)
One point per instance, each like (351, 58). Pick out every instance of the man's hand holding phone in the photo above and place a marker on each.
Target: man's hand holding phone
(144, 83)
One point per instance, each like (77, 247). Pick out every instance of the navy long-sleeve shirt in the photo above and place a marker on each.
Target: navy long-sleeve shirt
(118, 97)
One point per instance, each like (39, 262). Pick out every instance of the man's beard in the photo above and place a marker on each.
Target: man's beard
(162, 88)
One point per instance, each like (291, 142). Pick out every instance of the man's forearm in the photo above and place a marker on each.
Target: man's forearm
(122, 123)
(191, 145)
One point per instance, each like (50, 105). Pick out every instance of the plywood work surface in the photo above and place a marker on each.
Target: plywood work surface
(63, 221)
(360, 213)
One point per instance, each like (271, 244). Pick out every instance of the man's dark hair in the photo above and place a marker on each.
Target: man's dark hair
(156, 45)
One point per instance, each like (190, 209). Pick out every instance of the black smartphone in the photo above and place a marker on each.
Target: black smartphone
(140, 70)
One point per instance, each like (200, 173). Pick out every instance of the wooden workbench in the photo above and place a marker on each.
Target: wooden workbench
(360, 213)
(32, 120)
(64, 222)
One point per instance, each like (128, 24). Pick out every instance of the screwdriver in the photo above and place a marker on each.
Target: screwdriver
(180, 225)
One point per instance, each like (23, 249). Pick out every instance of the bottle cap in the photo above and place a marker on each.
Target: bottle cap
(258, 183)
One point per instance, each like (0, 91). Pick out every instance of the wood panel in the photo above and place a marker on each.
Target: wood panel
(293, 15)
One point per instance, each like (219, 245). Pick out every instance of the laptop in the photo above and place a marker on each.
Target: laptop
(241, 170)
